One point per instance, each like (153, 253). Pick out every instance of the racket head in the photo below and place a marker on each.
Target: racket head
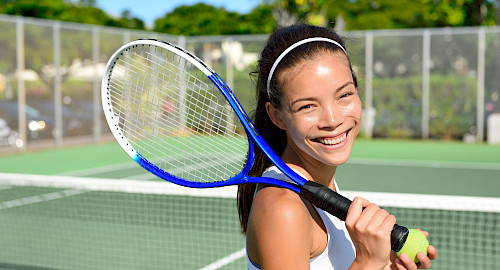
(165, 109)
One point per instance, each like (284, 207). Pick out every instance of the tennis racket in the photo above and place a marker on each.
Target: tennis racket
(179, 120)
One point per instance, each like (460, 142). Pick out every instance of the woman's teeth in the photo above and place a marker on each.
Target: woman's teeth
(332, 141)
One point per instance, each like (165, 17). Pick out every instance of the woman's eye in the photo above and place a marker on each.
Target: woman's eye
(347, 94)
(305, 107)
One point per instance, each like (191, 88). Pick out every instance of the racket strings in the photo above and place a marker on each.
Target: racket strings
(175, 116)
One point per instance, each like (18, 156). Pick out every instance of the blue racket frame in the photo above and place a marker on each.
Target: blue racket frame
(253, 135)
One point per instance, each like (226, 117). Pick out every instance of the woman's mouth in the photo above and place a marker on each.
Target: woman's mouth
(333, 140)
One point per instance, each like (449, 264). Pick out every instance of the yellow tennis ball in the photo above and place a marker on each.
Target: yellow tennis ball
(415, 243)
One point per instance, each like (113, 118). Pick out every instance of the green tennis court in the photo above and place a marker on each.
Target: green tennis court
(92, 208)
(444, 168)
(115, 230)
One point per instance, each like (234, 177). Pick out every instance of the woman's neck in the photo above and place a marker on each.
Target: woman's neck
(311, 168)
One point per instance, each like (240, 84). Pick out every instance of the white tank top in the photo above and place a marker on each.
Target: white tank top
(339, 252)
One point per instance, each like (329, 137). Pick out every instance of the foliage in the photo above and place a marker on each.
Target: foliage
(65, 10)
(388, 14)
(202, 19)
(310, 11)
(258, 21)
(382, 14)
(398, 103)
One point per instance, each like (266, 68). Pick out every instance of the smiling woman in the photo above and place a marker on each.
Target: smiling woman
(309, 112)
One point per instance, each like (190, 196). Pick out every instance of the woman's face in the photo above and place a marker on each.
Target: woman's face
(321, 109)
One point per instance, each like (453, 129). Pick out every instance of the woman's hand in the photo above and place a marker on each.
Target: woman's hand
(405, 263)
(370, 229)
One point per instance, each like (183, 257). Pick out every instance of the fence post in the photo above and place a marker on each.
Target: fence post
(229, 75)
(21, 93)
(56, 38)
(229, 63)
(96, 88)
(426, 63)
(481, 47)
(126, 36)
(369, 111)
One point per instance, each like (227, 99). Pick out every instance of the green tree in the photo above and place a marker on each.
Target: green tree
(202, 19)
(381, 14)
(199, 19)
(387, 14)
(259, 21)
(83, 11)
(315, 12)
(128, 21)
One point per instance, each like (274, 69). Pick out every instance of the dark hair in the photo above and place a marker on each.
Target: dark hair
(278, 42)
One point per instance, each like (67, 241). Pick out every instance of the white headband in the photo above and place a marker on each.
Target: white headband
(295, 45)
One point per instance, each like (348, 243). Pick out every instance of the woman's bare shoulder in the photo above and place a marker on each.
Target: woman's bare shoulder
(277, 205)
(279, 218)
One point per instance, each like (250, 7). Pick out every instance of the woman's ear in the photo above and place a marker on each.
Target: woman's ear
(275, 116)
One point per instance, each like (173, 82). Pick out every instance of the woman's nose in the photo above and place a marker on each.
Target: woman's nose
(331, 117)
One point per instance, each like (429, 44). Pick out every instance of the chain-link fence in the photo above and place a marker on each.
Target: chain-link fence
(420, 83)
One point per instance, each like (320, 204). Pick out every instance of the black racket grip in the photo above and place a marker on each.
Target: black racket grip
(337, 205)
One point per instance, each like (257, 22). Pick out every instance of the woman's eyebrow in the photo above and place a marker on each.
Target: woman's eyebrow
(302, 99)
(344, 86)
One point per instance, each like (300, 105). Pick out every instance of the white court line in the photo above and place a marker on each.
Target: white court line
(425, 164)
(226, 260)
(40, 198)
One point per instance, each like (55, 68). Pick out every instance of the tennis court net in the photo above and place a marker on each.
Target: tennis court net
(61, 222)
